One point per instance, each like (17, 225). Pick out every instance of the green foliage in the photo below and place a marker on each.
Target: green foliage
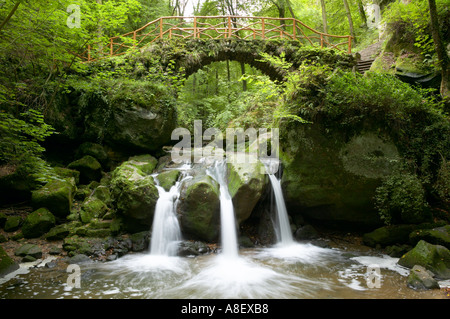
(401, 198)
(20, 137)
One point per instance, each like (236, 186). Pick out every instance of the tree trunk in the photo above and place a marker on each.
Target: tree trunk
(244, 82)
(350, 20)
(440, 50)
(10, 15)
(324, 17)
(362, 13)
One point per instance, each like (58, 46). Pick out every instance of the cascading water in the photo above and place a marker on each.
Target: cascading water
(166, 232)
(283, 230)
(228, 224)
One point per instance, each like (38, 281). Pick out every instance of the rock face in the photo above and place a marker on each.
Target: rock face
(199, 208)
(134, 193)
(435, 258)
(332, 178)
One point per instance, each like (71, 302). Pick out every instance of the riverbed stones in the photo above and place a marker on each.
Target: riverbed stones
(437, 236)
(38, 223)
(389, 235)
(435, 258)
(12, 223)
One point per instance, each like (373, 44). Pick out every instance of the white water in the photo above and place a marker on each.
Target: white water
(227, 218)
(166, 232)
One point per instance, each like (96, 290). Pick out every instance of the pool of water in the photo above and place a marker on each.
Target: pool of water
(294, 271)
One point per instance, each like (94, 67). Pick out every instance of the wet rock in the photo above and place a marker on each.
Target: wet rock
(435, 258)
(199, 207)
(192, 248)
(79, 259)
(38, 223)
(140, 241)
(168, 178)
(29, 250)
(306, 232)
(421, 279)
(246, 184)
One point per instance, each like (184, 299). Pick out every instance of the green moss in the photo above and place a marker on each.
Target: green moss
(38, 223)
(168, 178)
(7, 264)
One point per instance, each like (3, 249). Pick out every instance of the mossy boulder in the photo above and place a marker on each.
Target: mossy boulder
(13, 223)
(388, 235)
(146, 163)
(246, 184)
(91, 208)
(90, 169)
(7, 264)
(199, 208)
(421, 279)
(62, 231)
(56, 196)
(436, 236)
(134, 194)
(95, 150)
(330, 175)
(435, 258)
(168, 178)
(29, 250)
(67, 173)
(88, 246)
(38, 223)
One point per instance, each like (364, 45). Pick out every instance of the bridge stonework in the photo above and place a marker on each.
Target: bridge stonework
(189, 56)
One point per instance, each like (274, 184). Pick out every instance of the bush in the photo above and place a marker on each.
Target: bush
(401, 199)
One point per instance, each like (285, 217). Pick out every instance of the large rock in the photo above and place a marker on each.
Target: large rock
(389, 235)
(56, 196)
(135, 195)
(168, 178)
(38, 223)
(331, 177)
(435, 258)
(28, 250)
(436, 236)
(7, 264)
(419, 278)
(246, 184)
(199, 208)
(90, 169)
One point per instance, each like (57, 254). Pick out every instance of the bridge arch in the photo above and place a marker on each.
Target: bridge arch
(191, 55)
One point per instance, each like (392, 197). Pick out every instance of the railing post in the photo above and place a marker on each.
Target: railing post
(195, 27)
(134, 39)
(294, 28)
(111, 47)
(321, 40)
(349, 44)
(160, 28)
(263, 28)
(229, 26)
(89, 52)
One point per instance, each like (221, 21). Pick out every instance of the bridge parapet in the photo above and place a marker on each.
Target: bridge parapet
(217, 27)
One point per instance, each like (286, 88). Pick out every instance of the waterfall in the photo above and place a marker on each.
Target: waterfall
(227, 218)
(283, 230)
(166, 231)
